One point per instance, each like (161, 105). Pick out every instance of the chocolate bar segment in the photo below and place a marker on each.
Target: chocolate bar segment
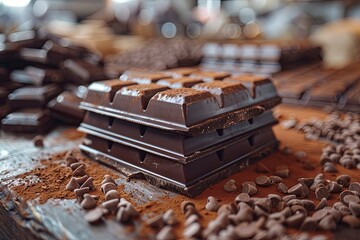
(182, 82)
(172, 145)
(32, 97)
(177, 176)
(143, 77)
(184, 109)
(208, 76)
(83, 72)
(29, 120)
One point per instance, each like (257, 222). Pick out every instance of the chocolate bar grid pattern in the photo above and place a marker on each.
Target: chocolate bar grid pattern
(315, 86)
(172, 145)
(261, 57)
(225, 102)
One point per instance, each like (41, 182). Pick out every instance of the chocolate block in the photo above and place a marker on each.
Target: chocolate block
(208, 76)
(143, 77)
(183, 82)
(186, 109)
(29, 120)
(32, 97)
(65, 108)
(172, 145)
(82, 72)
(37, 76)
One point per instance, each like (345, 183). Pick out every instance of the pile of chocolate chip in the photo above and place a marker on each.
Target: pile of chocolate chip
(344, 134)
(82, 185)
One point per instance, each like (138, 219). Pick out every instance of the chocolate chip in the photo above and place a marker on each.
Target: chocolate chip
(297, 190)
(345, 193)
(88, 202)
(212, 204)
(112, 194)
(230, 186)
(307, 181)
(111, 205)
(89, 183)
(355, 186)
(330, 167)
(300, 154)
(191, 219)
(327, 223)
(354, 209)
(322, 204)
(274, 199)
(80, 171)
(343, 180)
(282, 188)
(350, 198)
(351, 221)
(334, 187)
(166, 233)
(246, 230)
(186, 205)
(320, 214)
(94, 216)
(155, 222)
(319, 178)
(106, 187)
(261, 168)
(169, 218)
(335, 157)
(263, 181)
(38, 141)
(192, 230)
(79, 192)
(307, 165)
(70, 159)
(322, 192)
(294, 202)
(282, 171)
(243, 197)
(263, 203)
(122, 215)
(81, 180)
(228, 208)
(249, 188)
(275, 179)
(309, 224)
(286, 150)
(295, 220)
(308, 204)
(72, 185)
(347, 162)
(108, 179)
(75, 165)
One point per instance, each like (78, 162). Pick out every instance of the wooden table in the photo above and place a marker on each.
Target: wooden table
(63, 218)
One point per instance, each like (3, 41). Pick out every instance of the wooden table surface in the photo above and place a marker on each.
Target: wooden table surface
(63, 218)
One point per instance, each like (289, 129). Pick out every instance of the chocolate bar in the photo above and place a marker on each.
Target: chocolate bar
(172, 145)
(82, 72)
(65, 108)
(32, 97)
(37, 76)
(190, 178)
(202, 108)
(29, 120)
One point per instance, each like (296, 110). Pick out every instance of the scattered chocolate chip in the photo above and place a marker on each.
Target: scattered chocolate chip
(274, 199)
(166, 233)
(169, 218)
(80, 171)
(350, 198)
(297, 190)
(94, 216)
(282, 188)
(261, 168)
(335, 157)
(38, 141)
(185, 205)
(112, 194)
(355, 186)
(289, 197)
(246, 230)
(192, 230)
(263, 203)
(106, 187)
(243, 197)
(227, 209)
(330, 167)
(75, 165)
(212, 204)
(327, 223)
(191, 219)
(88, 202)
(275, 179)
(334, 187)
(122, 215)
(249, 188)
(155, 222)
(308, 204)
(354, 209)
(89, 183)
(263, 181)
(351, 221)
(307, 165)
(322, 192)
(230, 186)
(309, 224)
(282, 171)
(322, 204)
(295, 220)
(108, 179)
(72, 185)
(79, 192)
(111, 205)
(81, 180)
(343, 180)
(307, 181)
(300, 155)
(345, 193)
(286, 150)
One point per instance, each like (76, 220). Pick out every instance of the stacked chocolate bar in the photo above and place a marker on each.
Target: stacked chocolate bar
(264, 57)
(35, 69)
(182, 129)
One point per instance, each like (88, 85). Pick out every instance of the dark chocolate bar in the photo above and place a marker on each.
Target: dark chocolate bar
(82, 72)
(191, 178)
(29, 120)
(143, 77)
(202, 108)
(65, 108)
(33, 97)
(37, 76)
(172, 145)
